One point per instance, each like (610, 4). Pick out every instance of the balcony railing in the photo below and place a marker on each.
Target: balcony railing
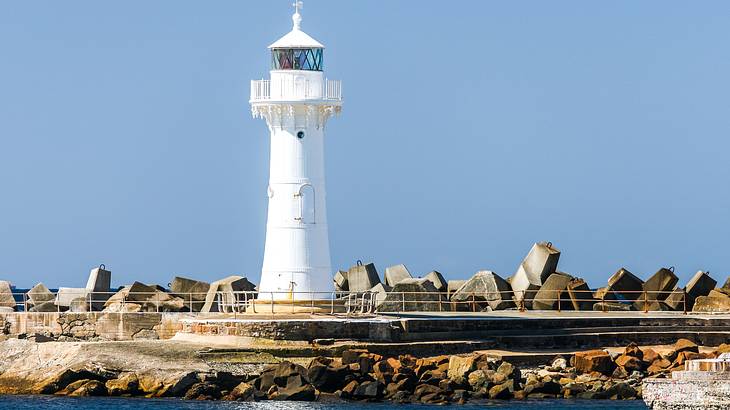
(266, 90)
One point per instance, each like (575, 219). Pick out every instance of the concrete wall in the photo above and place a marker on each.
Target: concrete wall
(92, 325)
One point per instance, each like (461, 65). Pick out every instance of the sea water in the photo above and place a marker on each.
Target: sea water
(112, 403)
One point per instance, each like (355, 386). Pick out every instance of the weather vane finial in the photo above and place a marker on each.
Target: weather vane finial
(297, 18)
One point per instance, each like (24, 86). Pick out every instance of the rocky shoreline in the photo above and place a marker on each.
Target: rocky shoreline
(167, 369)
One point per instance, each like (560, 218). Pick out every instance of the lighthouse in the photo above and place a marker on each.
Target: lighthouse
(296, 103)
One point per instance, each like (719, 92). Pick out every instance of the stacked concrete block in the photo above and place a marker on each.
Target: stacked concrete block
(540, 262)
(379, 294)
(40, 299)
(341, 283)
(64, 296)
(656, 289)
(153, 300)
(438, 280)
(454, 285)
(484, 287)
(361, 278)
(701, 284)
(99, 287)
(224, 295)
(552, 292)
(623, 285)
(6, 295)
(395, 274)
(412, 295)
(580, 295)
(193, 292)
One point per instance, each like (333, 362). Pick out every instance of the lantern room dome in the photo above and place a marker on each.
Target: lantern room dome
(296, 38)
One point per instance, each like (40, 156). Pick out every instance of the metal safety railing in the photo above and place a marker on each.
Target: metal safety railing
(288, 90)
(350, 302)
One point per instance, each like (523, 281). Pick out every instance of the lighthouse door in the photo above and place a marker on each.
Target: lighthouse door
(307, 210)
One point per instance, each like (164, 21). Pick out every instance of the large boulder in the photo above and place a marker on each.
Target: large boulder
(412, 295)
(593, 361)
(361, 278)
(395, 274)
(193, 292)
(485, 286)
(623, 285)
(656, 289)
(540, 262)
(676, 299)
(39, 294)
(552, 292)
(438, 280)
(6, 295)
(224, 295)
(453, 285)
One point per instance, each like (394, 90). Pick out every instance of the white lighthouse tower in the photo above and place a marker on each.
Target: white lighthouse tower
(296, 103)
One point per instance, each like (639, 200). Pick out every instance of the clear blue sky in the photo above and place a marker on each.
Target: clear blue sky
(471, 129)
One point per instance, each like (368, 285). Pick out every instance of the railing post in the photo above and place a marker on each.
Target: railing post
(557, 294)
(646, 303)
(403, 297)
(272, 303)
(603, 302)
(332, 304)
(312, 296)
(684, 300)
(473, 303)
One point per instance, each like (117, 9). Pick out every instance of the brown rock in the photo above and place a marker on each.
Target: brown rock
(203, 391)
(501, 391)
(593, 361)
(649, 355)
(126, 384)
(92, 388)
(633, 350)
(629, 363)
(460, 367)
(685, 345)
(242, 392)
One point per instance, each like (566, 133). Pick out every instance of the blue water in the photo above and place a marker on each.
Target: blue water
(107, 403)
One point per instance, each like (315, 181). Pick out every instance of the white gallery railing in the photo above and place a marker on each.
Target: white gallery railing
(266, 90)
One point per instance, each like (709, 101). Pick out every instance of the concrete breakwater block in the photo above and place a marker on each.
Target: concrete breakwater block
(438, 280)
(412, 295)
(715, 302)
(341, 282)
(193, 292)
(99, 286)
(540, 262)
(547, 297)
(226, 288)
(395, 274)
(361, 278)
(580, 295)
(6, 295)
(64, 296)
(624, 285)
(39, 294)
(656, 289)
(152, 300)
(611, 307)
(485, 286)
(379, 294)
(454, 285)
(701, 284)
(573, 294)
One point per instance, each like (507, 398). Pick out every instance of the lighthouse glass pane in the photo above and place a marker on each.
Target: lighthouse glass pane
(309, 59)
